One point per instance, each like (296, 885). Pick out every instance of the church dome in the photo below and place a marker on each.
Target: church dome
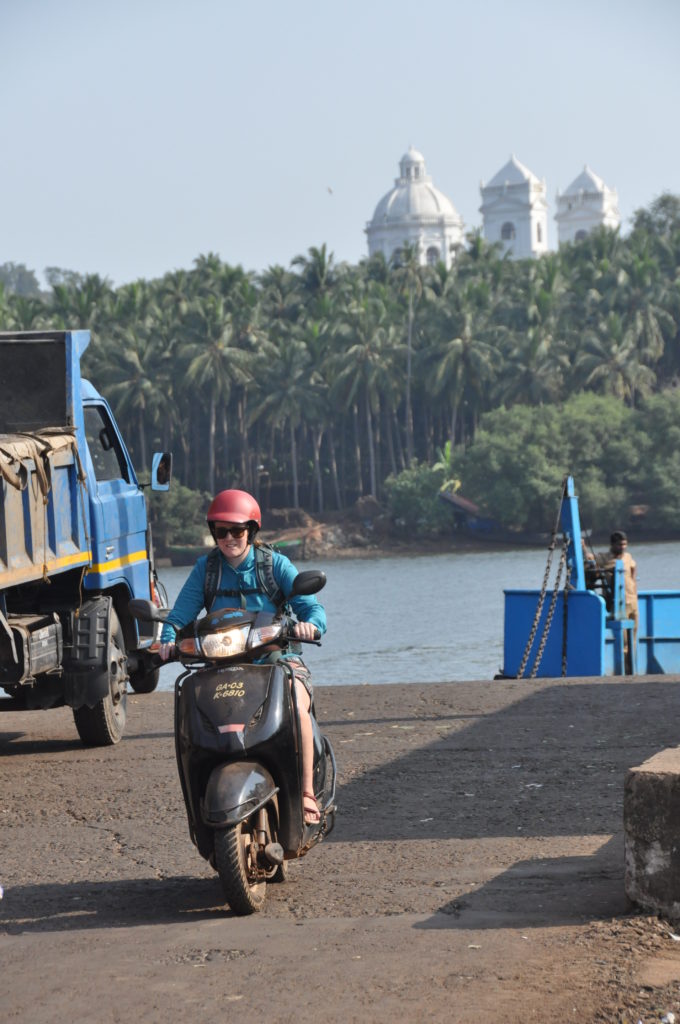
(414, 212)
(413, 196)
(411, 157)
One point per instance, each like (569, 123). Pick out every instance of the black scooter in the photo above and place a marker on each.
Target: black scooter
(237, 741)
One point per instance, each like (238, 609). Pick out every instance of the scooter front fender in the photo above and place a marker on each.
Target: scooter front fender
(234, 792)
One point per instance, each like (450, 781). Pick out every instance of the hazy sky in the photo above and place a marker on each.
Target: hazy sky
(138, 134)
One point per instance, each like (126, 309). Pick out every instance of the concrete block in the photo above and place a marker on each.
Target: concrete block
(651, 822)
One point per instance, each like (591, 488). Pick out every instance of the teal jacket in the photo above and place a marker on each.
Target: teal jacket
(189, 603)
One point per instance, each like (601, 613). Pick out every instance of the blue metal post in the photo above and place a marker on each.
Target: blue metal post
(571, 527)
(620, 625)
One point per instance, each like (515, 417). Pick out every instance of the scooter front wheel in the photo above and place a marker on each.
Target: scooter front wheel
(243, 886)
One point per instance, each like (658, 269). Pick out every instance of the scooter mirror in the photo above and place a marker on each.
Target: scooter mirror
(309, 582)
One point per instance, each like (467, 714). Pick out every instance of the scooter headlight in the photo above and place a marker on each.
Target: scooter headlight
(223, 643)
(264, 635)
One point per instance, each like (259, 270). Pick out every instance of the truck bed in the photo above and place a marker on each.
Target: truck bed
(42, 526)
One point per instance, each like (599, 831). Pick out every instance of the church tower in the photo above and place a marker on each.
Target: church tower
(416, 213)
(515, 211)
(587, 204)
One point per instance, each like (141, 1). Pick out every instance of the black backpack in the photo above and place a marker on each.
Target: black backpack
(264, 571)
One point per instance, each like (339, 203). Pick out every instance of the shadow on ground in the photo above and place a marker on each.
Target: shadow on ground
(550, 764)
(545, 892)
(116, 904)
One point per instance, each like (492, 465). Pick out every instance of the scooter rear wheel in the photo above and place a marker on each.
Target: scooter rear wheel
(243, 890)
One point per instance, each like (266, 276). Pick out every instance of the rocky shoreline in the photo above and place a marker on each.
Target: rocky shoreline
(366, 532)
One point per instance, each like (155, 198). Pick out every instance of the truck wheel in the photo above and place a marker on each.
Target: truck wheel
(144, 680)
(104, 724)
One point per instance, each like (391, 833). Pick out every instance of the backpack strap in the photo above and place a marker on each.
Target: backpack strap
(213, 576)
(264, 570)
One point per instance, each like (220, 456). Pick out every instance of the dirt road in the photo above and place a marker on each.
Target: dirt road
(476, 869)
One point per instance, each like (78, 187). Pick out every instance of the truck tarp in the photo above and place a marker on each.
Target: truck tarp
(51, 538)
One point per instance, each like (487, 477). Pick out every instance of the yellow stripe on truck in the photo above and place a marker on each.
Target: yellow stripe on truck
(60, 563)
(13, 576)
(118, 563)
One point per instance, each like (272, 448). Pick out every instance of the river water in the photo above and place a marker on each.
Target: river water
(432, 618)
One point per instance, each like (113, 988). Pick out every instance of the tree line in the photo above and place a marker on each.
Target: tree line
(314, 384)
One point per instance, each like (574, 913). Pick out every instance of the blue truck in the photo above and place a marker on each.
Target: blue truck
(75, 541)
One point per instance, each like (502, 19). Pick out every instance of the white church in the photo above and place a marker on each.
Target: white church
(514, 212)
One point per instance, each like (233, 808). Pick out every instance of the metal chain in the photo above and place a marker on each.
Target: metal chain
(544, 588)
(539, 609)
(551, 611)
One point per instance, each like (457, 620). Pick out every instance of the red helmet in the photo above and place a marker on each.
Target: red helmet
(234, 507)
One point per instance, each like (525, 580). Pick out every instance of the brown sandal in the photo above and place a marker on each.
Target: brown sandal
(313, 815)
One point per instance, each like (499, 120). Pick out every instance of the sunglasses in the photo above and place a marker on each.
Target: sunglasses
(221, 531)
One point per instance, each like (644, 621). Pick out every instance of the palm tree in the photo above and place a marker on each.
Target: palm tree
(533, 369)
(640, 300)
(321, 409)
(280, 297)
(131, 384)
(365, 369)
(283, 393)
(317, 272)
(608, 362)
(407, 274)
(175, 292)
(77, 305)
(4, 308)
(214, 362)
(25, 313)
(460, 363)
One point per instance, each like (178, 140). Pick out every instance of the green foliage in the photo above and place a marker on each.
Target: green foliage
(445, 463)
(603, 455)
(177, 516)
(658, 477)
(59, 276)
(317, 382)
(19, 280)
(414, 504)
(515, 467)
(619, 458)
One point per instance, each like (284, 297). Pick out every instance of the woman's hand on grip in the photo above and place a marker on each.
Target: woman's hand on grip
(306, 631)
(166, 651)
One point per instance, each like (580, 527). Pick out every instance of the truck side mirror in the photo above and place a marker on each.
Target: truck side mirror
(161, 471)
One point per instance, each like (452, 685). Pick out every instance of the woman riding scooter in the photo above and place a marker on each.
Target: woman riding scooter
(242, 573)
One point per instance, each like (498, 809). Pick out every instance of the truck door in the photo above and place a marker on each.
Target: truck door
(118, 519)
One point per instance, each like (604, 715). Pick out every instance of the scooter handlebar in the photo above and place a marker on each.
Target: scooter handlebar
(157, 661)
(316, 639)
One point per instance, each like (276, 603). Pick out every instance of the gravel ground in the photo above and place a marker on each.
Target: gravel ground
(476, 868)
